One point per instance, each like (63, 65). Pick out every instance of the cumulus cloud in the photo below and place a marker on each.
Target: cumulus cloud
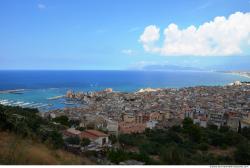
(219, 37)
(41, 6)
(150, 34)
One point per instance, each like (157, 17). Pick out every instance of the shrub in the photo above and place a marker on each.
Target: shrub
(74, 140)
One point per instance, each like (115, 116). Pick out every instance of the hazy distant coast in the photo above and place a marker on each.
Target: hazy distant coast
(240, 73)
(14, 91)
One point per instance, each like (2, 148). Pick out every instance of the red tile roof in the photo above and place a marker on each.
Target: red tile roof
(92, 134)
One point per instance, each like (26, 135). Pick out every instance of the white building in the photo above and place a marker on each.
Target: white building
(151, 124)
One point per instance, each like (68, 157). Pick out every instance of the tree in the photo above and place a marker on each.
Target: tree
(64, 120)
(85, 142)
(150, 148)
(192, 130)
(74, 140)
(203, 146)
(187, 123)
(246, 132)
(56, 139)
(81, 128)
(113, 139)
(117, 156)
(242, 153)
(74, 123)
(216, 138)
(224, 129)
(172, 155)
(212, 126)
(239, 127)
(195, 133)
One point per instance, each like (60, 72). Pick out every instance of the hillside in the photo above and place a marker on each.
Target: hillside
(19, 151)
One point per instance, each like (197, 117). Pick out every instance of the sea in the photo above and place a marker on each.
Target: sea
(36, 89)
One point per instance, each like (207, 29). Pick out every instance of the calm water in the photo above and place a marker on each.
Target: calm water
(42, 85)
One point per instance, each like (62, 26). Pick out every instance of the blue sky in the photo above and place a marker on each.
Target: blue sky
(107, 34)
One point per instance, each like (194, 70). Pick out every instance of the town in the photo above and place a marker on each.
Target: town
(125, 113)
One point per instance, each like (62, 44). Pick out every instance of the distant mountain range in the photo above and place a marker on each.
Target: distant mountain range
(168, 67)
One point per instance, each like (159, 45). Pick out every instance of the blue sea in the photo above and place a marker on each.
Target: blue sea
(40, 86)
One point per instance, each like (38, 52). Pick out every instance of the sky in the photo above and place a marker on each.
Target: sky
(124, 34)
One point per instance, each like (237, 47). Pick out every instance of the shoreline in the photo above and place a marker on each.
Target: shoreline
(86, 96)
(12, 91)
(242, 74)
(56, 97)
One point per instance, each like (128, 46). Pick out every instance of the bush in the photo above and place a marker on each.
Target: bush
(85, 142)
(56, 139)
(74, 140)
(187, 123)
(150, 148)
(81, 128)
(172, 155)
(64, 120)
(203, 146)
(113, 139)
(246, 132)
(212, 127)
(117, 156)
(242, 153)
(224, 129)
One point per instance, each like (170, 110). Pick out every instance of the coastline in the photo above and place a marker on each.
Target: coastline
(242, 74)
(12, 91)
(56, 97)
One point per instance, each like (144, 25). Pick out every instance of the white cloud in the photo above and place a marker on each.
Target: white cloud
(150, 34)
(220, 37)
(41, 6)
(128, 52)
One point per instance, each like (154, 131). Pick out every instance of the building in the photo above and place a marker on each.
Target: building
(97, 137)
(128, 118)
(151, 124)
(128, 128)
(112, 127)
(216, 118)
(71, 132)
(245, 123)
(233, 123)
(155, 116)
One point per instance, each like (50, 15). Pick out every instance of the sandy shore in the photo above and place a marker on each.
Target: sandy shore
(242, 74)
(56, 97)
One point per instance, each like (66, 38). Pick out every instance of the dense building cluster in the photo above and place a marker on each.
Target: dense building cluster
(119, 112)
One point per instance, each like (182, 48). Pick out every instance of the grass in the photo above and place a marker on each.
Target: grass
(20, 151)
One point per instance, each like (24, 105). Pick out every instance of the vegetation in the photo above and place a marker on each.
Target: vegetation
(27, 123)
(63, 120)
(189, 144)
(16, 150)
(27, 138)
(74, 140)
(36, 140)
(85, 142)
(119, 155)
(112, 138)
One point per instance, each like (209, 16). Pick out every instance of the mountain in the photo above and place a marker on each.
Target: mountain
(169, 67)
